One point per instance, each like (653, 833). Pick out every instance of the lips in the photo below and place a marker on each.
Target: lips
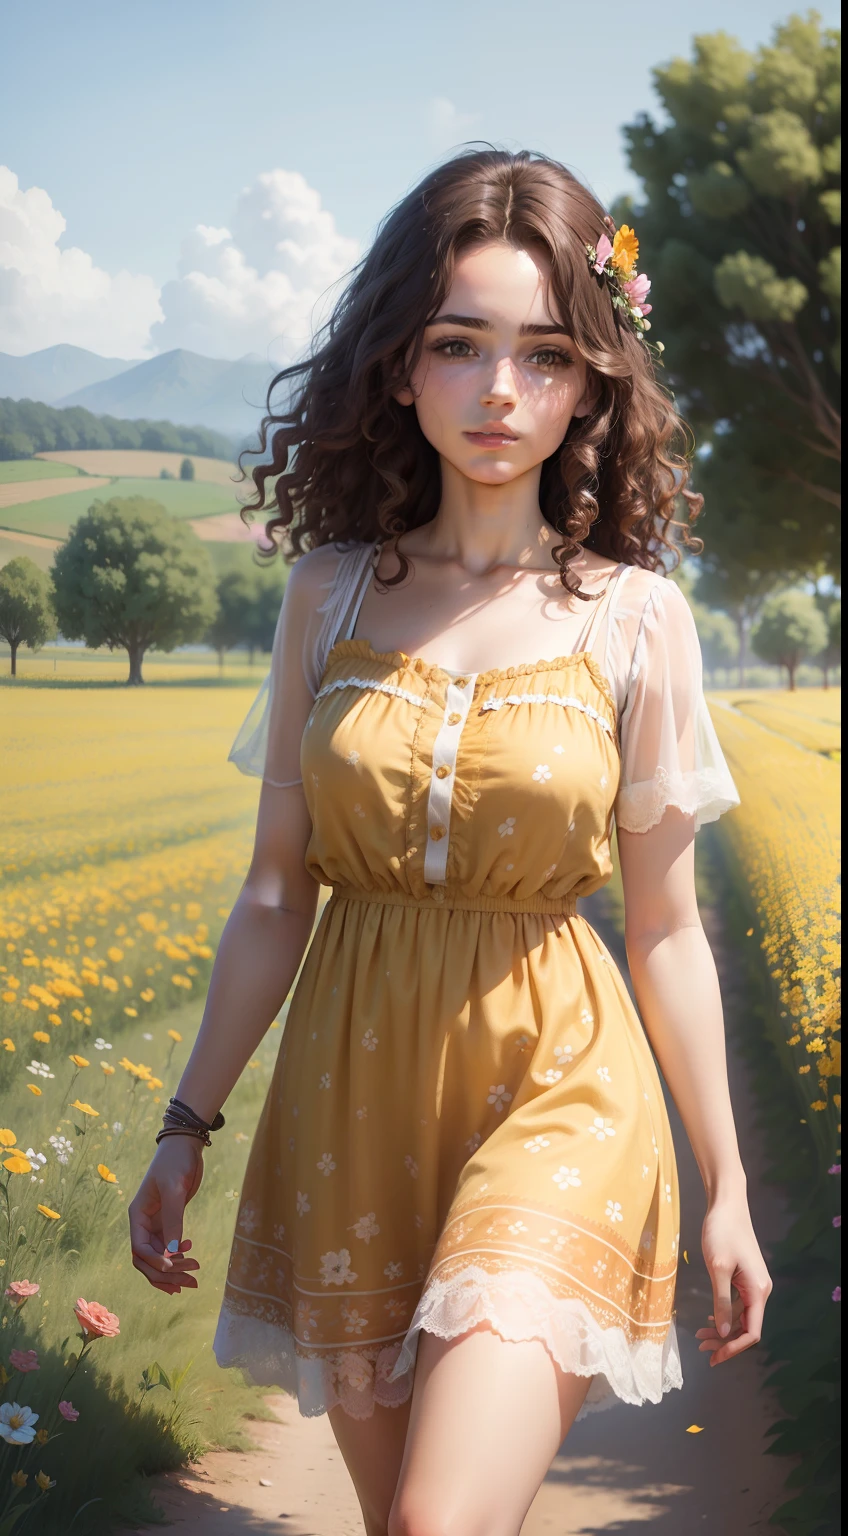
(491, 436)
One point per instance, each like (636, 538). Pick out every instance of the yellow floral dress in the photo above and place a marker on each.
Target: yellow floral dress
(465, 1124)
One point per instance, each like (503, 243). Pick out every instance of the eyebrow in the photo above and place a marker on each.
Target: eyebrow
(474, 323)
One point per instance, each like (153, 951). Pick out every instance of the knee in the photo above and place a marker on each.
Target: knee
(411, 1516)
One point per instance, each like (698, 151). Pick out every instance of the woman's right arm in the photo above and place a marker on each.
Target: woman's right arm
(258, 956)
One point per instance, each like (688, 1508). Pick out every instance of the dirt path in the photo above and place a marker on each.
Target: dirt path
(622, 1471)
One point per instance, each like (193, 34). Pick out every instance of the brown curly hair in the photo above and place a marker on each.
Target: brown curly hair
(351, 464)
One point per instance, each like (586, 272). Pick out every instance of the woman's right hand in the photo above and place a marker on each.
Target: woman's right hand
(156, 1214)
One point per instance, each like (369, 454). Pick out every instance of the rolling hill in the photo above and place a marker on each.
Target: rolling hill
(51, 374)
(184, 388)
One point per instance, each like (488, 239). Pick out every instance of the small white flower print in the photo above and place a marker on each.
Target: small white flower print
(498, 1096)
(654, 1145)
(536, 1144)
(674, 1242)
(302, 1203)
(645, 1170)
(507, 827)
(393, 1271)
(370, 1041)
(357, 810)
(474, 1142)
(102, 1045)
(613, 1211)
(410, 1164)
(586, 1017)
(421, 1271)
(516, 1227)
(647, 1240)
(306, 1318)
(248, 1219)
(509, 867)
(279, 1233)
(556, 1239)
(325, 1164)
(601, 1128)
(362, 1112)
(603, 781)
(418, 1221)
(335, 1268)
(553, 1075)
(395, 1308)
(365, 1227)
(567, 1178)
(352, 759)
(668, 1193)
(604, 1074)
(559, 749)
(315, 780)
(541, 773)
(353, 1320)
(549, 872)
(563, 1055)
(599, 1268)
(324, 1080)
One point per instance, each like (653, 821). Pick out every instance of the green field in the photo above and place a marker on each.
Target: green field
(13, 471)
(55, 515)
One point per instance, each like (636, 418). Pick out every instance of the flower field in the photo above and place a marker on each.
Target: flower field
(125, 838)
(786, 839)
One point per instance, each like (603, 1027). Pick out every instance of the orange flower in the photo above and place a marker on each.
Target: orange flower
(85, 1109)
(174, 1034)
(32, 1088)
(46, 1211)
(105, 1067)
(625, 249)
(7, 1138)
(95, 1320)
(79, 1061)
(8, 1045)
(17, 1163)
(106, 1174)
(41, 1036)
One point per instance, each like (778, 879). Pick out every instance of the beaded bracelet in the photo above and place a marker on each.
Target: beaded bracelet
(183, 1130)
(181, 1120)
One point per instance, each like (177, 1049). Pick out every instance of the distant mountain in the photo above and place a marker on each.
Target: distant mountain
(184, 388)
(57, 371)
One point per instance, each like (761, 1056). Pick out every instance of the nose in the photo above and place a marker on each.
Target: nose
(501, 388)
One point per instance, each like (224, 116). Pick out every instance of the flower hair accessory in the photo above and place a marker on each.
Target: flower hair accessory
(614, 262)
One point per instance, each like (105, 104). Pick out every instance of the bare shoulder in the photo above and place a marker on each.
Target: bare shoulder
(313, 573)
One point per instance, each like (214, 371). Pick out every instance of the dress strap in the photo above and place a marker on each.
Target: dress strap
(360, 582)
(600, 609)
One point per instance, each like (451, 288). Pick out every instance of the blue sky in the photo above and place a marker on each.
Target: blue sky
(142, 122)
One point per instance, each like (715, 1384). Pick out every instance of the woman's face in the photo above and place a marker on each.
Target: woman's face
(499, 379)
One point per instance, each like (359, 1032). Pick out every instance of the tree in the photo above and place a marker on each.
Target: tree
(718, 636)
(738, 223)
(235, 591)
(26, 609)
(131, 576)
(249, 599)
(187, 470)
(831, 654)
(789, 630)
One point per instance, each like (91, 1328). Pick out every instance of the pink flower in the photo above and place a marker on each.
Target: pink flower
(604, 252)
(95, 1320)
(835, 1168)
(69, 1412)
(836, 1295)
(637, 291)
(20, 1290)
(24, 1360)
(837, 1221)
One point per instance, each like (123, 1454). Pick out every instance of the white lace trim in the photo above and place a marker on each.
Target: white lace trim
(517, 1304)
(704, 793)
(550, 698)
(369, 685)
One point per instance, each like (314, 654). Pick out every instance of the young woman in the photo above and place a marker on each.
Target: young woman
(459, 1222)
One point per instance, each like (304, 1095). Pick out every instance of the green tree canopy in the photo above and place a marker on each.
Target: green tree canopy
(718, 637)
(187, 470)
(249, 599)
(28, 427)
(790, 629)
(131, 576)
(26, 609)
(831, 654)
(739, 225)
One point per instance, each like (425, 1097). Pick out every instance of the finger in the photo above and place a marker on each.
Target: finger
(171, 1264)
(173, 1282)
(171, 1216)
(722, 1300)
(732, 1347)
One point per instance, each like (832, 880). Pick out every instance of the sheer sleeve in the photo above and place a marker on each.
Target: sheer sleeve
(670, 753)
(268, 742)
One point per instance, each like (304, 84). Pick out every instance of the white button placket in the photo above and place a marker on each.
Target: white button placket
(445, 748)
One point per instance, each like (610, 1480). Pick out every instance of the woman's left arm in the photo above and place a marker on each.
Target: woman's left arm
(677, 990)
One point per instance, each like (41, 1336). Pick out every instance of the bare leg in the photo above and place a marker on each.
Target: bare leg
(372, 1450)
(487, 1419)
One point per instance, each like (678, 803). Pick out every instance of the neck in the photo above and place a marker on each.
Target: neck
(482, 527)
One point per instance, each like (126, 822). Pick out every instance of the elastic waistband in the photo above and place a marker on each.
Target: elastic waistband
(441, 900)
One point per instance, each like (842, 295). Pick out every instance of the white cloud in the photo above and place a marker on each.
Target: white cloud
(257, 286)
(448, 126)
(48, 295)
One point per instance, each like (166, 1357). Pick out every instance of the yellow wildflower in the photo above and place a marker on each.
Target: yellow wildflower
(54, 1019)
(79, 1061)
(625, 249)
(174, 1034)
(8, 1045)
(33, 1089)
(147, 995)
(17, 1163)
(131, 1013)
(105, 1067)
(85, 1109)
(41, 1037)
(46, 1211)
(7, 1138)
(106, 1174)
(115, 954)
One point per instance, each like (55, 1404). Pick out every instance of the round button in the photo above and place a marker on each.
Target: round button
(438, 895)
(454, 717)
(437, 833)
(442, 771)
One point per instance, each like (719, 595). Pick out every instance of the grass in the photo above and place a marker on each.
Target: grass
(120, 860)
(61, 666)
(141, 463)
(55, 515)
(812, 718)
(17, 471)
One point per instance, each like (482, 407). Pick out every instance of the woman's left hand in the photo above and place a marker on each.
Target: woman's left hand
(733, 1258)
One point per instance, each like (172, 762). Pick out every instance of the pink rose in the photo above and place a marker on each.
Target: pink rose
(69, 1412)
(604, 252)
(95, 1320)
(637, 291)
(20, 1290)
(24, 1360)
